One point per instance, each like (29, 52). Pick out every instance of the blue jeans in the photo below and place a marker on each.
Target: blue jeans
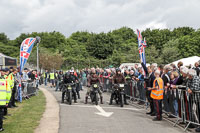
(57, 86)
(45, 81)
(175, 103)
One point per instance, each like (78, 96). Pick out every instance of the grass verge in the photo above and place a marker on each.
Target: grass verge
(26, 117)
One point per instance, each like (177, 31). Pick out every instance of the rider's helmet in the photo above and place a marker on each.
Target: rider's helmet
(71, 71)
(118, 70)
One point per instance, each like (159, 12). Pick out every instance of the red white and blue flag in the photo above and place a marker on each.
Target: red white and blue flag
(141, 47)
(25, 51)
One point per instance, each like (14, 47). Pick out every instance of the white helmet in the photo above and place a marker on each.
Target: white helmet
(71, 71)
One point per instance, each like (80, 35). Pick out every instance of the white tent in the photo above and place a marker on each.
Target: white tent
(188, 61)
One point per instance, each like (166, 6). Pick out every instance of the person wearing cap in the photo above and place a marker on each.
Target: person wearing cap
(3, 76)
(70, 78)
(4, 97)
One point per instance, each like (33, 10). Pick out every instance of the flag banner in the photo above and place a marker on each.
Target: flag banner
(25, 51)
(141, 47)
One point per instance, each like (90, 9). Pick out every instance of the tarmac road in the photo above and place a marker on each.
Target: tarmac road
(88, 118)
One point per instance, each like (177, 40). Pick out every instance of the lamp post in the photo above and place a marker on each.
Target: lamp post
(38, 41)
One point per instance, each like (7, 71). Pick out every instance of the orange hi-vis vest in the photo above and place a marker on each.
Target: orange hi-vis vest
(158, 93)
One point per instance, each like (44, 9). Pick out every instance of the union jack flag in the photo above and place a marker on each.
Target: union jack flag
(143, 44)
(25, 51)
(141, 47)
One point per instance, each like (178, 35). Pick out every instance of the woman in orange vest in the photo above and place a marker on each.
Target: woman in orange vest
(157, 95)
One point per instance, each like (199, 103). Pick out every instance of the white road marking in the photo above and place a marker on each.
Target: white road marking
(92, 106)
(103, 112)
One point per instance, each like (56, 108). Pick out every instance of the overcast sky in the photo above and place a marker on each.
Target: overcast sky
(68, 16)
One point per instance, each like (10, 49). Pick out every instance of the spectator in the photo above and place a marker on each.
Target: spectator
(197, 68)
(173, 95)
(157, 95)
(32, 75)
(180, 63)
(141, 89)
(25, 79)
(193, 85)
(166, 79)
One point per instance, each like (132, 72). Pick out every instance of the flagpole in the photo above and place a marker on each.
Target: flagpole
(37, 58)
(38, 41)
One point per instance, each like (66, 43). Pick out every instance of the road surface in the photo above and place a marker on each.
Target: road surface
(88, 118)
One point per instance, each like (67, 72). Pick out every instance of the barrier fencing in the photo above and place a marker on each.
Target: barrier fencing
(29, 88)
(188, 104)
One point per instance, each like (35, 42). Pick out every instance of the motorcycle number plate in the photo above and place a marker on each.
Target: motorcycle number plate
(69, 88)
(121, 85)
(95, 86)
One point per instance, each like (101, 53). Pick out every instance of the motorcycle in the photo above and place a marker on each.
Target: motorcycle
(94, 93)
(69, 94)
(119, 94)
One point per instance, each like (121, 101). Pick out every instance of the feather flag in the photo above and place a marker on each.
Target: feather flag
(25, 51)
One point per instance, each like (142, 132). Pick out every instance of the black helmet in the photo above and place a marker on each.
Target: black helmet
(118, 70)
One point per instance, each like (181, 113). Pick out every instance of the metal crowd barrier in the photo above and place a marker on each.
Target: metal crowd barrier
(27, 89)
(188, 104)
(31, 88)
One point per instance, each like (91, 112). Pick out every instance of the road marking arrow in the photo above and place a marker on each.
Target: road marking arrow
(102, 112)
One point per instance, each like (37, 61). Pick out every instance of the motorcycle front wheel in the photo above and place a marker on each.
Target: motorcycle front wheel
(122, 100)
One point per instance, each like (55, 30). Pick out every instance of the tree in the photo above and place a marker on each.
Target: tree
(152, 55)
(100, 45)
(182, 31)
(80, 37)
(84, 49)
(170, 52)
(9, 50)
(157, 37)
(3, 38)
(189, 45)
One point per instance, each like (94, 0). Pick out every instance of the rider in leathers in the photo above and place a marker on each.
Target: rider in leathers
(118, 78)
(93, 78)
(70, 78)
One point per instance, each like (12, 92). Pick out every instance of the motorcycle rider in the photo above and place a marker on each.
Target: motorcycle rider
(59, 80)
(70, 78)
(118, 78)
(93, 78)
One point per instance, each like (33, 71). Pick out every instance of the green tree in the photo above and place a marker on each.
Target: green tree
(100, 45)
(170, 52)
(3, 38)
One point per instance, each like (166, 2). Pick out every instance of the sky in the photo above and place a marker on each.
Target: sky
(68, 16)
